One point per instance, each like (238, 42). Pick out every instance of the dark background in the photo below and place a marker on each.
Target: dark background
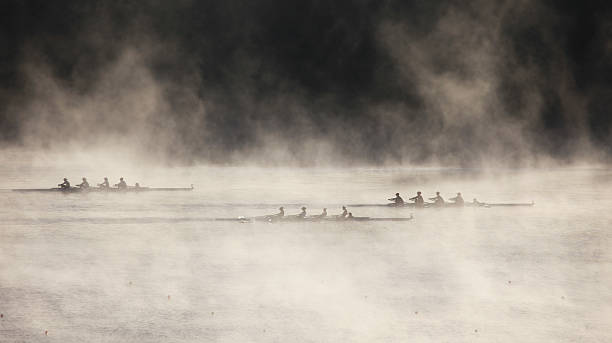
(299, 72)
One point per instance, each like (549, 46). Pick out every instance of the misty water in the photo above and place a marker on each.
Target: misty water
(149, 267)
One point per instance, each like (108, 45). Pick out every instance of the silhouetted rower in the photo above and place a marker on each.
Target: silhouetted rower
(121, 184)
(438, 201)
(84, 184)
(397, 200)
(303, 213)
(281, 212)
(458, 200)
(323, 214)
(344, 212)
(418, 200)
(104, 184)
(65, 184)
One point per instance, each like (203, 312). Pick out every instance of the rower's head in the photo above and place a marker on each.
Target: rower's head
(84, 179)
(303, 208)
(281, 208)
(120, 179)
(418, 193)
(324, 210)
(105, 179)
(65, 179)
(437, 193)
(396, 194)
(344, 207)
(459, 194)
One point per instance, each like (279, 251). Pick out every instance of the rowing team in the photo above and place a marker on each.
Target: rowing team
(281, 214)
(437, 200)
(85, 185)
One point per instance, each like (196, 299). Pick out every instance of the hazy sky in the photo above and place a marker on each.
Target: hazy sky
(368, 82)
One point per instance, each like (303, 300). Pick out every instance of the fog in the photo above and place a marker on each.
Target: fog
(511, 84)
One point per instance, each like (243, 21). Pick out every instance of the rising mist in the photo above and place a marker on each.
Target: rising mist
(348, 83)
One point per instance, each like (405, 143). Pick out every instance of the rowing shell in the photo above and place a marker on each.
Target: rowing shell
(102, 190)
(296, 219)
(445, 205)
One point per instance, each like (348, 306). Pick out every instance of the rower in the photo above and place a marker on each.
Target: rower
(438, 201)
(397, 200)
(281, 212)
(84, 184)
(344, 212)
(272, 217)
(104, 184)
(323, 214)
(303, 213)
(121, 184)
(350, 216)
(137, 185)
(458, 200)
(418, 200)
(65, 184)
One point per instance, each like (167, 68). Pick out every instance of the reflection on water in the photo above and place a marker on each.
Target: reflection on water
(148, 268)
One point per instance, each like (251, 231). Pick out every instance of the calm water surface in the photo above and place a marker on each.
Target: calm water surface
(150, 268)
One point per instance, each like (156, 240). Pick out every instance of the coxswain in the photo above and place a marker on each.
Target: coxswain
(104, 184)
(121, 184)
(344, 212)
(397, 200)
(137, 185)
(438, 201)
(350, 216)
(65, 184)
(84, 184)
(418, 200)
(303, 213)
(458, 200)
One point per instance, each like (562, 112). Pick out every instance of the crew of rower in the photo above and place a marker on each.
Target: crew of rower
(105, 184)
(418, 200)
(302, 215)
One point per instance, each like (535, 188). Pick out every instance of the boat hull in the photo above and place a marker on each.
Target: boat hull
(445, 205)
(293, 219)
(100, 190)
